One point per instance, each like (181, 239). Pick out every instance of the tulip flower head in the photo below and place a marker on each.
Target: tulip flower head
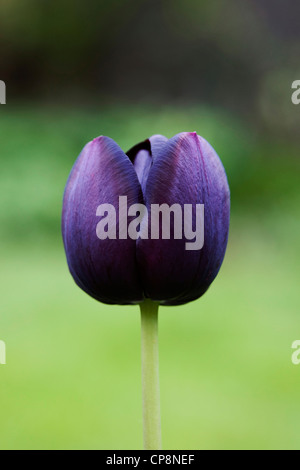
(152, 223)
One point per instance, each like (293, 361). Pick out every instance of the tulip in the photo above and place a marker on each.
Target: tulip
(182, 170)
(185, 171)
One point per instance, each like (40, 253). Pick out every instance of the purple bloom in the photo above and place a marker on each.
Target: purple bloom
(184, 170)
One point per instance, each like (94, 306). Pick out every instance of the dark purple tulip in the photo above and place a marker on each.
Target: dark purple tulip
(182, 170)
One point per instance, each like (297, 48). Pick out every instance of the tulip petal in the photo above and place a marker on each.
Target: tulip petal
(143, 155)
(186, 171)
(105, 269)
(157, 142)
(217, 218)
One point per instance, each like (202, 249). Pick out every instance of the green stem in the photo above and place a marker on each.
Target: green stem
(150, 376)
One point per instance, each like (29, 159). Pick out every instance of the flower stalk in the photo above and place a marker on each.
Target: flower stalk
(150, 375)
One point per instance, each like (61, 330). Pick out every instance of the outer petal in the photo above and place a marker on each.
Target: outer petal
(105, 269)
(187, 171)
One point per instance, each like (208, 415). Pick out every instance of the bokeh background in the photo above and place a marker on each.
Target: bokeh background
(128, 69)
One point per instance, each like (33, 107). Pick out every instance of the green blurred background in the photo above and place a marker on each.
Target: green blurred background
(76, 70)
